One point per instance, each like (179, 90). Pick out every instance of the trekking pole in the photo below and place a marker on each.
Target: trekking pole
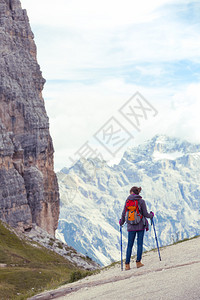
(121, 247)
(152, 222)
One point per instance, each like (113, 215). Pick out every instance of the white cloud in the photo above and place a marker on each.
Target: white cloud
(76, 37)
(178, 115)
(150, 70)
(94, 14)
(94, 46)
(75, 121)
(91, 14)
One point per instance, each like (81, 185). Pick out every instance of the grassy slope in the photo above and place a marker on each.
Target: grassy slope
(30, 269)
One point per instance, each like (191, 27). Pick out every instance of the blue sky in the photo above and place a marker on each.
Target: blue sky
(96, 54)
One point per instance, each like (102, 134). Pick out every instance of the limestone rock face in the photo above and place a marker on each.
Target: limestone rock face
(28, 185)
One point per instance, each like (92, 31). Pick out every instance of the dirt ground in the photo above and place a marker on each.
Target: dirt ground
(177, 276)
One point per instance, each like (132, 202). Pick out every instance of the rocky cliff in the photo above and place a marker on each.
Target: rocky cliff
(28, 185)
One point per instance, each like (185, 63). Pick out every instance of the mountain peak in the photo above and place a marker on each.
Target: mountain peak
(92, 200)
(160, 147)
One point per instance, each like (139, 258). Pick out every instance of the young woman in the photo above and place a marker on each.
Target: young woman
(135, 229)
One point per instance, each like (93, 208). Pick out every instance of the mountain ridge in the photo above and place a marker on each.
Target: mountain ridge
(170, 188)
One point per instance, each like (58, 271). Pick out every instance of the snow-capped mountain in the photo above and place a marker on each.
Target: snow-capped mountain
(93, 195)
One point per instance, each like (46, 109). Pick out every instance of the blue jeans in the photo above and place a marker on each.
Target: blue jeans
(131, 238)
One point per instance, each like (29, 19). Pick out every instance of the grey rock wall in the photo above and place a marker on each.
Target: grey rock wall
(28, 185)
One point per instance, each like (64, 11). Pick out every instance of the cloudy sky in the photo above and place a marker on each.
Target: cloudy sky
(96, 54)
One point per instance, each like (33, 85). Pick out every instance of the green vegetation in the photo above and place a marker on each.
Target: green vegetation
(76, 275)
(31, 268)
(113, 264)
(60, 246)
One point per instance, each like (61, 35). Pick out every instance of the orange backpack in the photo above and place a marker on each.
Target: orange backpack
(133, 215)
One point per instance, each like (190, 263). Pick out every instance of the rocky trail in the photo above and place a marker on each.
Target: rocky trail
(177, 276)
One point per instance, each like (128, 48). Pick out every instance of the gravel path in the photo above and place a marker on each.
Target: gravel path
(177, 276)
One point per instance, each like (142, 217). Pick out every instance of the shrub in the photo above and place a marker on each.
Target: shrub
(76, 275)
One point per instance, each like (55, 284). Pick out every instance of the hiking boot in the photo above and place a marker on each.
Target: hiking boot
(127, 267)
(139, 264)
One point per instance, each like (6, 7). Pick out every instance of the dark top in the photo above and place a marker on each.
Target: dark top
(142, 224)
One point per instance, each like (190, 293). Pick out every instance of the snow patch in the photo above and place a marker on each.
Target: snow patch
(169, 156)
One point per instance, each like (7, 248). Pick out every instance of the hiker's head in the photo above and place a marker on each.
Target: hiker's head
(135, 190)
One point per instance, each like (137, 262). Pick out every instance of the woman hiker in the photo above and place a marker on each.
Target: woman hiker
(135, 224)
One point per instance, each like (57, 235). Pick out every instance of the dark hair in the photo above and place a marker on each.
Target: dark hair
(135, 190)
